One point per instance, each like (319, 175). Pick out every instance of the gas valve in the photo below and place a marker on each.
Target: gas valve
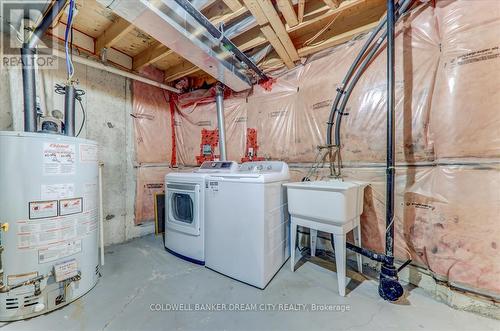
(5, 227)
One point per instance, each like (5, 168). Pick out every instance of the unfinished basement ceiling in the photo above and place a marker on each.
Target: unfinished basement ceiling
(294, 29)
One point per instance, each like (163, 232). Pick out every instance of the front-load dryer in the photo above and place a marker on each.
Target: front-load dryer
(185, 209)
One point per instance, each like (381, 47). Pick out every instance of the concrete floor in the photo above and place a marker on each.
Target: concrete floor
(140, 273)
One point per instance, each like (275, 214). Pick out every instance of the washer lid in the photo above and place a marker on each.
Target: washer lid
(256, 178)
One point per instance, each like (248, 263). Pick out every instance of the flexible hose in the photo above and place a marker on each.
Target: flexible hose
(340, 91)
(366, 62)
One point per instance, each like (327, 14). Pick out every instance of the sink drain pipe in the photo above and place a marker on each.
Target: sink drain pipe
(389, 287)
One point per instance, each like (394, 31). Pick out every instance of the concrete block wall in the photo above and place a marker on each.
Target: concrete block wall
(108, 104)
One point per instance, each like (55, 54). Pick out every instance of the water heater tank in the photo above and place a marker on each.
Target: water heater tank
(48, 217)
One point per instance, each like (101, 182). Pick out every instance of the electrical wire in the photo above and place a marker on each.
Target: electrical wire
(84, 116)
(69, 28)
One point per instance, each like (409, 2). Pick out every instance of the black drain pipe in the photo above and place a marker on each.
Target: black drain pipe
(28, 53)
(389, 287)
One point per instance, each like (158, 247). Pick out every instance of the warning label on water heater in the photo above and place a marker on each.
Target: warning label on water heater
(56, 232)
(88, 153)
(58, 159)
(55, 252)
(70, 206)
(42, 209)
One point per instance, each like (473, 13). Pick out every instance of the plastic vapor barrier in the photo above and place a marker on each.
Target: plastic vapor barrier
(150, 180)
(446, 219)
(151, 117)
(463, 123)
(192, 119)
(447, 143)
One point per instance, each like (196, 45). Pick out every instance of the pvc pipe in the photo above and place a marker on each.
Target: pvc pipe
(219, 102)
(113, 70)
(101, 215)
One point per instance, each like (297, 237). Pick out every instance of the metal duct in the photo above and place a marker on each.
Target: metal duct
(168, 22)
(28, 52)
(219, 102)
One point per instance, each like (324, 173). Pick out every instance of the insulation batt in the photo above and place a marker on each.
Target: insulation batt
(296, 110)
(190, 120)
(363, 131)
(150, 180)
(447, 109)
(465, 117)
(151, 116)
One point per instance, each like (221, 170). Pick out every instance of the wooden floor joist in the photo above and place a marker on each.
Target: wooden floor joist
(111, 35)
(286, 8)
(234, 5)
(261, 18)
(278, 26)
(294, 28)
(336, 40)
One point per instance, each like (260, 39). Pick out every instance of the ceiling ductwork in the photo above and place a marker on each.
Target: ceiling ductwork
(182, 28)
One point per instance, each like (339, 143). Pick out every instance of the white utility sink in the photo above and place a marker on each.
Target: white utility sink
(330, 201)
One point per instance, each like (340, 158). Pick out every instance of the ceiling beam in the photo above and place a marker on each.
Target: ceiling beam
(234, 5)
(345, 6)
(229, 17)
(286, 8)
(257, 12)
(332, 3)
(336, 40)
(300, 9)
(150, 55)
(279, 28)
(113, 34)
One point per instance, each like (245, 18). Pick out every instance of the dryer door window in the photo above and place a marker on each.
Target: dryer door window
(182, 205)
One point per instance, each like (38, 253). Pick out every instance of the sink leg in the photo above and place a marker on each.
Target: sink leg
(313, 235)
(357, 242)
(340, 259)
(293, 239)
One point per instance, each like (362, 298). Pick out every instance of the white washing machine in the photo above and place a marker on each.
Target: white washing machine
(185, 209)
(247, 232)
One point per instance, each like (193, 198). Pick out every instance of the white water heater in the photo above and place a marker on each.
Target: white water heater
(48, 217)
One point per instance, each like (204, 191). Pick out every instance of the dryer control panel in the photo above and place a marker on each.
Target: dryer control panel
(218, 166)
(263, 167)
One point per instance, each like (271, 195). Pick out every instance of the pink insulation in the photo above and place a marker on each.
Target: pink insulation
(417, 56)
(468, 81)
(274, 115)
(191, 119)
(447, 108)
(150, 180)
(151, 116)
